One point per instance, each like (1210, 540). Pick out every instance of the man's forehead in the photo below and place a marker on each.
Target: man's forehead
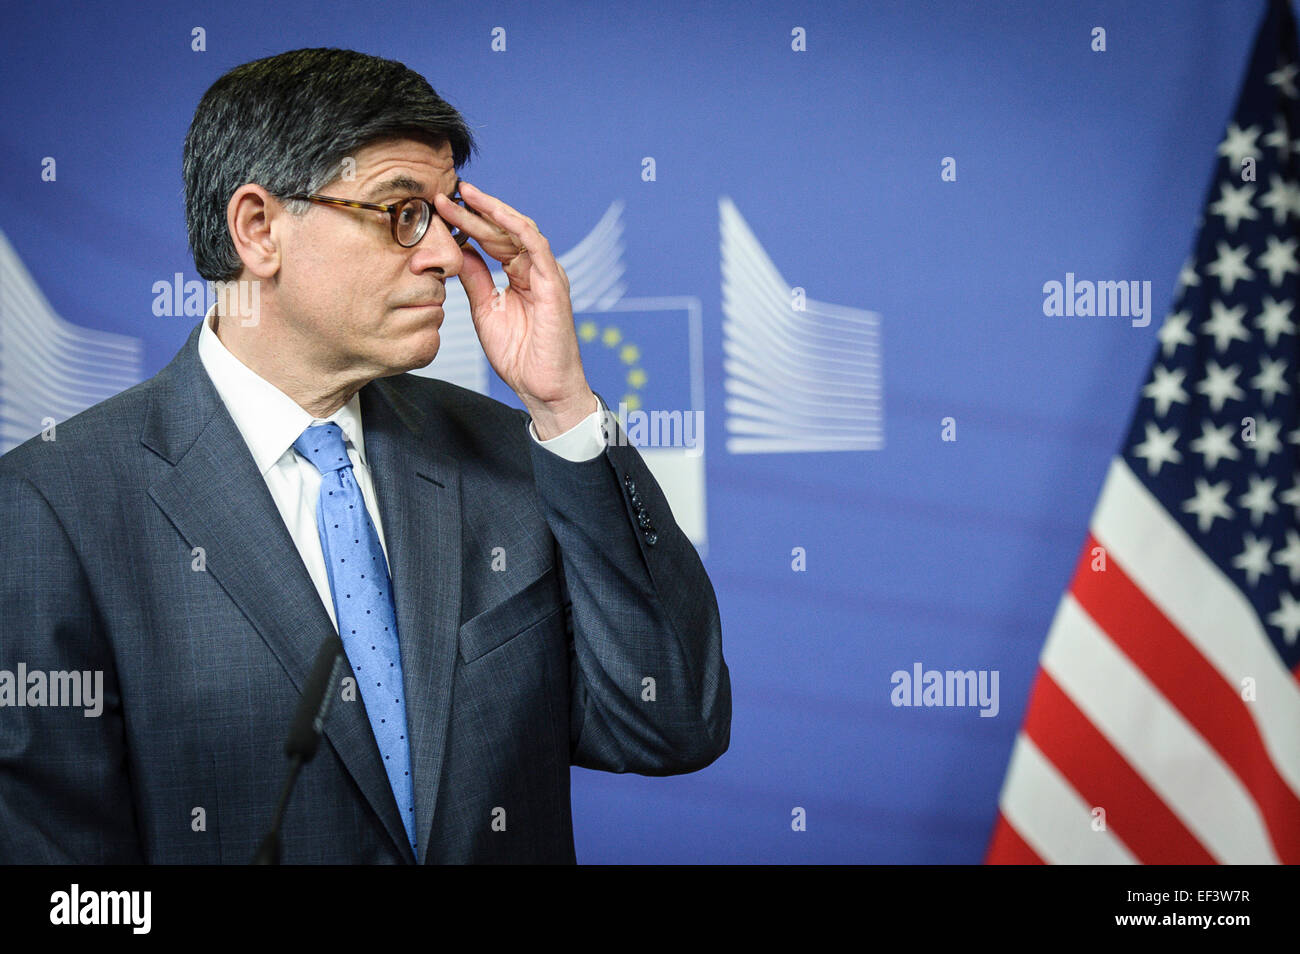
(403, 183)
(405, 166)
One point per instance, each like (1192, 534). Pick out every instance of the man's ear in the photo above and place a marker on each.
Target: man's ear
(253, 217)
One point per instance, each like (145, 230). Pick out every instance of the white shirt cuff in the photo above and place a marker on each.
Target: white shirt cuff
(584, 441)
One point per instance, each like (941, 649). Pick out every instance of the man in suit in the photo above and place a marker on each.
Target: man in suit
(518, 590)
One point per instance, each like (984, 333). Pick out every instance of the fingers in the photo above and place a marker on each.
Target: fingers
(517, 229)
(476, 279)
(464, 219)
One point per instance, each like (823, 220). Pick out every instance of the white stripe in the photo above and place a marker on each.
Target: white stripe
(1050, 816)
(1154, 738)
(1176, 575)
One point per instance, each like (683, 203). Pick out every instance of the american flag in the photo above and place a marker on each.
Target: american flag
(1164, 724)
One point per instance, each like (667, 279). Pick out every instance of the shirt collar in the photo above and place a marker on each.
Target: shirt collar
(269, 420)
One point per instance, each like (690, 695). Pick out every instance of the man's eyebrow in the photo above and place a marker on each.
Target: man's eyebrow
(404, 184)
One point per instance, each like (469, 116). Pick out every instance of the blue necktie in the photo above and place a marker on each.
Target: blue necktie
(363, 605)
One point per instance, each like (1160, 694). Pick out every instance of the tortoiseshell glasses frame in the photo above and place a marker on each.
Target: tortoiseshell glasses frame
(409, 218)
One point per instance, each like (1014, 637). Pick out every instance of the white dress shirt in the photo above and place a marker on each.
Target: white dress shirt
(270, 421)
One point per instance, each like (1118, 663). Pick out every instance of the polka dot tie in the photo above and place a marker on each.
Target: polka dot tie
(363, 605)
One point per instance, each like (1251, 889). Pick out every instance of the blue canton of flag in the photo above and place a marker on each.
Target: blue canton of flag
(1216, 437)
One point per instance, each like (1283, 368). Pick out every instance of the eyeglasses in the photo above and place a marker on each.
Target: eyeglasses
(409, 218)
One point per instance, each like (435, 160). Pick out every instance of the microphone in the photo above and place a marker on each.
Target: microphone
(304, 735)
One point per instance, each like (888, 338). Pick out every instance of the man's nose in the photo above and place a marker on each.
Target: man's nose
(437, 250)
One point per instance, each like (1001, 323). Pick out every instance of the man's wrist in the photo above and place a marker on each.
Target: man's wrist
(583, 441)
(550, 421)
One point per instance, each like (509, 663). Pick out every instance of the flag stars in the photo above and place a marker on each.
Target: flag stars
(1287, 617)
(1275, 320)
(1230, 267)
(1271, 380)
(1220, 385)
(1215, 444)
(1158, 449)
(1187, 277)
(1279, 259)
(1259, 498)
(1166, 388)
(1209, 503)
(1291, 497)
(1174, 333)
(1253, 558)
(1234, 205)
(1280, 197)
(1280, 139)
(1289, 556)
(1284, 79)
(1267, 440)
(1239, 143)
(1225, 325)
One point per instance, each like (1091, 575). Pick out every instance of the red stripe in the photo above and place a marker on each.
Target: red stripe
(1190, 683)
(1135, 814)
(1008, 848)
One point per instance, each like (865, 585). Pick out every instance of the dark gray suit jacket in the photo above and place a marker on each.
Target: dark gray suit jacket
(511, 674)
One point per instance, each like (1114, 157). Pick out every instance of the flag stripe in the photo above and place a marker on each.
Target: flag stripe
(1154, 738)
(1008, 847)
(1194, 687)
(1182, 653)
(1104, 779)
(1192, 593)
(1050, 817)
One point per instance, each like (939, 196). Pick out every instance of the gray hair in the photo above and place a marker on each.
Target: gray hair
(287, 122)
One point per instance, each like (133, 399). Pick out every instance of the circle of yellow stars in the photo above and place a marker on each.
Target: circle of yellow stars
(611, 336)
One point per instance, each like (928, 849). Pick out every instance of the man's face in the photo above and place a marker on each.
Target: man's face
(368, 305)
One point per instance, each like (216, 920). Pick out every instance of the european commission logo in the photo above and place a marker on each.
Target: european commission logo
(51, 369)
(801, 374)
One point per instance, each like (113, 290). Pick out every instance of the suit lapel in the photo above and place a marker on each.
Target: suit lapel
(418, 494)
(217, 500)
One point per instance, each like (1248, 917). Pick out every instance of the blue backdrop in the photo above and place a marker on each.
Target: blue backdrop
(950, 553)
